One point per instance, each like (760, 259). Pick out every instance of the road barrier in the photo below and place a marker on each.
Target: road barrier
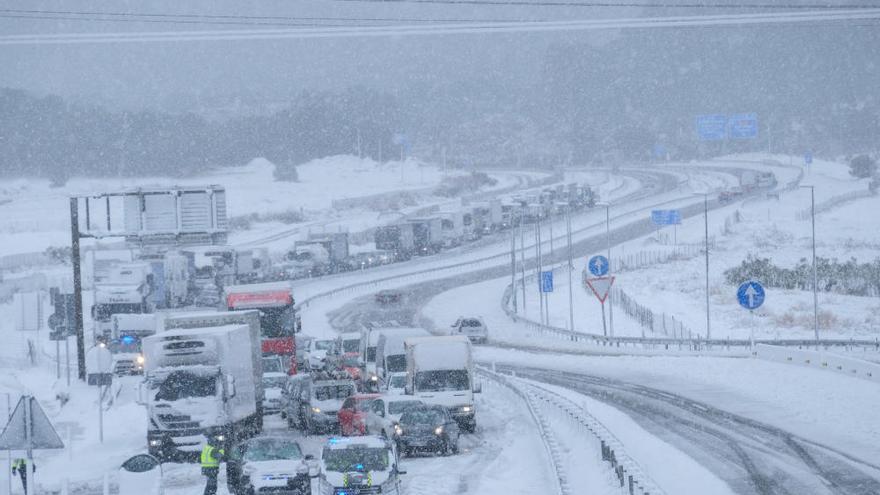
(630, 477)
(820, 360)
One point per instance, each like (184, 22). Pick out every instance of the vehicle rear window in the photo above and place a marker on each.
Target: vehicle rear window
(331, 392)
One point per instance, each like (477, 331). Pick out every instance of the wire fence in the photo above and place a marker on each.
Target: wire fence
(833, 202)
(650, 321)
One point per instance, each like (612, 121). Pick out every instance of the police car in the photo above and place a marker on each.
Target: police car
(359, 466)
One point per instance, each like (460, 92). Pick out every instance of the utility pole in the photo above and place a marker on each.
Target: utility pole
(610, 265)
(522, 260)
(513, 268)
(706, 240)
(570, 270)
(539, 267)
(77, 287)
(815, 271)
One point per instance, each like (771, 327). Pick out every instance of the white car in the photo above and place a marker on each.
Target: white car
(395, 383)
(471, 327)
(317, 352)
(273, 386)
(365, 464)
(384, 413)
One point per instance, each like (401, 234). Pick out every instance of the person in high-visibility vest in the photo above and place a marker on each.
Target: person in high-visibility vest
(19, 466)
(210, 459)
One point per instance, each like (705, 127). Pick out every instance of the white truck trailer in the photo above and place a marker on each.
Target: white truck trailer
(439, 370)
(202, 378)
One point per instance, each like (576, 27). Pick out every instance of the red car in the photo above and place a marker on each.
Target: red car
(353, 413)
(351, 364)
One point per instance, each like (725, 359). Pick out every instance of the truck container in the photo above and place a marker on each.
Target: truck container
(488, 216)
(201, 380)
(439, 370)
(278, 319)
(397, 239)
(127, 289)
(427, 235)
(451, 228)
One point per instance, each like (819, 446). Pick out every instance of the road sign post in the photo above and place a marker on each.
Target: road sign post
(28, 429)
(750, 296)
(601, 288)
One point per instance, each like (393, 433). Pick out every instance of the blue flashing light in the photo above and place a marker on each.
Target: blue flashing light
(128, 340)
(359, 467)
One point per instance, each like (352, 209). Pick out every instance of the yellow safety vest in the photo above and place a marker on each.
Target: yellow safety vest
(19, 464)
(209, 459)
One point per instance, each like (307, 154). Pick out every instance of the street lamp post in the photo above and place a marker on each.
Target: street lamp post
(815, 273)
(610, 264)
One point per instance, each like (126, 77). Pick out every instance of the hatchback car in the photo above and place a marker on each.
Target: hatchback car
(471, 327)
(427, 429)
(268, 465)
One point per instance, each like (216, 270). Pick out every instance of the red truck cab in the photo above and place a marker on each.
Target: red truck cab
(278, 322)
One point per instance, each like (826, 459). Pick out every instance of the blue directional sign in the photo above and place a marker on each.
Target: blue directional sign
(598, 265)
(750, 294)
(712, 127)
(547, 281)
(808, 157)
(666, 217)
(743, 126)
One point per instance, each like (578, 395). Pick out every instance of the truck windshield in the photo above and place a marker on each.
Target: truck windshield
(395, 363)
(442, 380)
(355, 459)
(104, 311)
(351, 345)
(182, 384)
(277, 322)
(371, 354)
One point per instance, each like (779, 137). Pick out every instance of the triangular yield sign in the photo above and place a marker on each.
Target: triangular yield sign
(600, 287)
(42, 434)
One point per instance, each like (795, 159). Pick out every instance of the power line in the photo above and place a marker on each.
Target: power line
(227, 18)
(713, 20)
(552, 3)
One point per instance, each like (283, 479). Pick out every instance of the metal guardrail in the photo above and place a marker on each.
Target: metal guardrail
(631, 478)
(672, 344)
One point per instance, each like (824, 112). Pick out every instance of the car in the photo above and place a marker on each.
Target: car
(471, 327)
(351, 364)
(362, 465)
(384, 413)
(352, 415)
(273, 386)
(388, 296)
(314, 402)
(395, 383)
(267, 464)
(319, 352)
(427, 429)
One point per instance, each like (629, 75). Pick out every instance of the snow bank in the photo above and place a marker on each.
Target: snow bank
(820, 360)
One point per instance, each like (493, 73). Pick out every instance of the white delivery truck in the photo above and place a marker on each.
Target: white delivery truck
(391, 353)
(127, 289)
(439, 370)
(202, 378)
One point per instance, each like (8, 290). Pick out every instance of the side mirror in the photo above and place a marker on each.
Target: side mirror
(478, 387)
(310, 457)
(230, 386)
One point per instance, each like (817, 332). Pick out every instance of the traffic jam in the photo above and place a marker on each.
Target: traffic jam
(245, 387)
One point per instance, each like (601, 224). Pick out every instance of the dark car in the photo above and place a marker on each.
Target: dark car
(268, 465)
(388, 297)
(427, 429)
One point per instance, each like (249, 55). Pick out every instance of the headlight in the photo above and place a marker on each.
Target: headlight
(374, 378)
(140, 359)
(155, 443)
(220, 438)
(466, 409)
(438, 430)
(316, 410)
(398, 430)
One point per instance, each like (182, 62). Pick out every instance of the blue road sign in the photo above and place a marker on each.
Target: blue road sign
(808, 157)
(598, 265)
(546, 281)
(712, 127)
(750, 294)
(666, 217)
(743, 126)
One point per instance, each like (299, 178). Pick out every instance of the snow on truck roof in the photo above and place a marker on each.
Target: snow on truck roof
(440, 353)
(194, 332)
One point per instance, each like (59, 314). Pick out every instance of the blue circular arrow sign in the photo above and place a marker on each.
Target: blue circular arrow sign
(598, 265)
(750, 294)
